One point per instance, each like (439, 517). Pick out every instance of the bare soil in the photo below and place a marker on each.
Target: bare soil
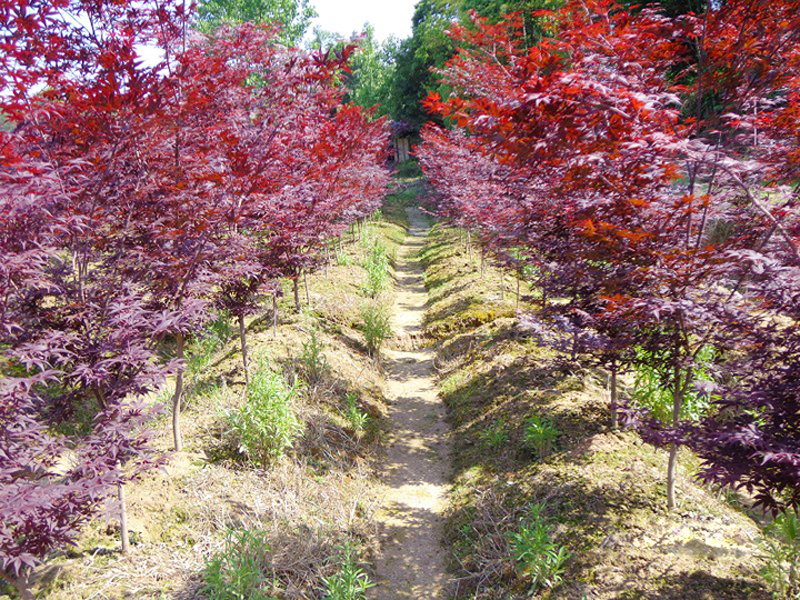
(412, 560)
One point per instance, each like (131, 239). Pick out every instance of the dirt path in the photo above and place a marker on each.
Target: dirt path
(412, 563)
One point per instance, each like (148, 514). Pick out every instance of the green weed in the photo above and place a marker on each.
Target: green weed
(376, 326)
(494, 436)
(376, 264)
(536, 556)
(539, 435)
(356, 417)
(265, 426)
(652, 389)
(350, 582)
(242, 570)
(313, 360)
(781, 555)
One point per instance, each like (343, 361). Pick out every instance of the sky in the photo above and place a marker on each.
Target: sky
(389, 17)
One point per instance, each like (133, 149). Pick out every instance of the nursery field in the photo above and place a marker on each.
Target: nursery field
(505, 309)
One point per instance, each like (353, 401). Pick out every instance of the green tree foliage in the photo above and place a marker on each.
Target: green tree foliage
(294, 16)
(429, 46)
(495, 10)
(373, 71)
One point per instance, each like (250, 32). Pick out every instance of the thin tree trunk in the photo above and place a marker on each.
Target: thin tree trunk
(296, 290)
(469, 246)
(483, 260)
(243, 340)
(677, 405)
(544, 292)
(305, 285)
(123, 518)
(673, 461)
(176, 399)
(275, 316)
(613, 396)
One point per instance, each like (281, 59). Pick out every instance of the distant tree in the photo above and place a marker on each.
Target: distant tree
(372, 73)
(293, 16)
(429, 46)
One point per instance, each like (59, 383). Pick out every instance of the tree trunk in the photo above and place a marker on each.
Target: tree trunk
(296, 290)
(613, 397)
(275, 316)
(544, 292)
(123, 518)
(22, 583)
(305, 285)
(483, 260)
(673, 461)
(469, 246)
(677, 404)
(243, 340)
(176, 399)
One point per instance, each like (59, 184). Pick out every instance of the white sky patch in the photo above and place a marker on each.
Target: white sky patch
(388, 17)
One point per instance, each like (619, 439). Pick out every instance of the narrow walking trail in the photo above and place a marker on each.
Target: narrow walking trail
(412, 563)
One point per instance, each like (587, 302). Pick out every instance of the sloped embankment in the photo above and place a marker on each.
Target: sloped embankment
(532, 446)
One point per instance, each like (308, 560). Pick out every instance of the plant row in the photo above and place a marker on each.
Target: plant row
(643, 169)
(138, 197)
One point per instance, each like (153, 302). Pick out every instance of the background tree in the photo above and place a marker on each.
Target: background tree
(293, 16)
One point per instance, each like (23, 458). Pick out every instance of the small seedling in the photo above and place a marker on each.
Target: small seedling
(356, 417)
(350, 582)
(781, 556)
(535, 555)
(540, 435)
(494, 436)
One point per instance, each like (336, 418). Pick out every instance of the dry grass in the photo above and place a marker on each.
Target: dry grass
(604, 491)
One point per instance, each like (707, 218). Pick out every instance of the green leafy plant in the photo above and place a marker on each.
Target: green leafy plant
(356, 417)
(651, 389)
(242, 570)
(350, 582)
(313, 359)
(539, 435)
(207, 343)
(376, 265)
(343, 259)
(495, 435)
(536, 556)
(781, 555)
(265, 426)
(376, 326)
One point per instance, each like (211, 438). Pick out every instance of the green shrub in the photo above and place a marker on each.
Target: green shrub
(202, 348)
(781, 555)
(343, 259)
(535, 555)
(242, 570)
(376, 265)
(348, 583)
(265, 426)
(376, 326)
(495, 435)
(313, 360)
(652, 391)
(356, 417)
(539, 435)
